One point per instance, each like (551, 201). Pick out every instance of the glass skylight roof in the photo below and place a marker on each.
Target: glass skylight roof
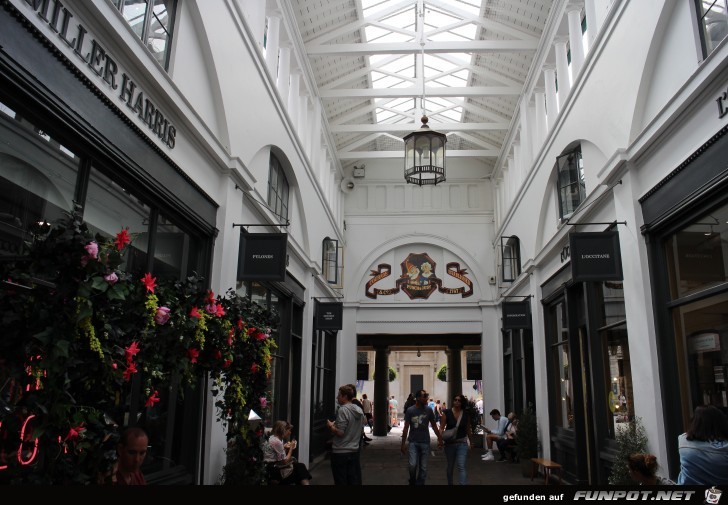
(448, 23)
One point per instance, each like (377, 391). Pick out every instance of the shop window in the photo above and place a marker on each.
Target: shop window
(560, 381)
(278, 189)
(153, 23)
(332, 261)
(177, 254)
(510, 258)
(697, 256)
(323, 389)
(37, 180)
(570, 182)
(615, 352)
(712, 18)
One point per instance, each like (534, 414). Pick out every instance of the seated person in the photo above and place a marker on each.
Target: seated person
(493, 435)
(132, 450)
(278, 456)
(643, 468)
(507, 444)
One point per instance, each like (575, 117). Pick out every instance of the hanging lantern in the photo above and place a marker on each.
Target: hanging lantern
(424, 156)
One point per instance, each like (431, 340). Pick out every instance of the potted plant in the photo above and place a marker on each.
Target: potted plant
(476, 438)
(630, 439)
(527, 439)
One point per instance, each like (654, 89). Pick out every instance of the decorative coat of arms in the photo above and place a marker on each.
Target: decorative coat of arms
(419, 279)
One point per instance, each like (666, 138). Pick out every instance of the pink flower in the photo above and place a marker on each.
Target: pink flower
(211, 308)
(162, 315)
(92, 248)
(112, 278)
(114, 366)
(263, 402)
(153, 398)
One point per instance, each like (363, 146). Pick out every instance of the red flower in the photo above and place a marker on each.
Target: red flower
(254, 368)
(240, 324)
(130, 370)
(195, 313)
(251, 330)
(122, 239)
(149, 282)
(260, 336)
(217, 354)
(74, 433)
(227, 363)
(210, 297)
(193, 354)
(154, 398)
(231, 334)
(220, 311)
(131, 351)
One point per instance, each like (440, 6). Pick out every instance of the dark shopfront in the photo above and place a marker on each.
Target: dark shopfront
(62, 141)
(686, 229)
(589, 378)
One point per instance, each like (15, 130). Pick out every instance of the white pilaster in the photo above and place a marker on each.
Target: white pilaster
(272, 44)
(541, 128)
(284, 72)
(315, 133)
(592, 24)
(254, 12)
(552, 108)
(293, 101)
(562, 70)
(576, 43)
(526, 156)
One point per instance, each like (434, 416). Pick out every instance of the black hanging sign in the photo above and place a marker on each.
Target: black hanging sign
(329, 316)
(595, 256)
(517, 315)
(262, 256)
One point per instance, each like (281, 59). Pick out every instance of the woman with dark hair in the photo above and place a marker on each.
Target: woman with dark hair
(456, 447)
(704, 448)
(643, 469)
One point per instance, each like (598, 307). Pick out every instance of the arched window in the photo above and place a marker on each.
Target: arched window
(570, 182)
(510, 258)
(277, 189)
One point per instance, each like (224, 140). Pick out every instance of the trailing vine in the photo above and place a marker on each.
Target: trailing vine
(77, 330)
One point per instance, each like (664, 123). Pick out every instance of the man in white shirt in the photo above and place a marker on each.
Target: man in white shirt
(493, 435)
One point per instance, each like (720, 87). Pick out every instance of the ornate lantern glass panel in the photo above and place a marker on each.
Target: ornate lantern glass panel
(424, 156)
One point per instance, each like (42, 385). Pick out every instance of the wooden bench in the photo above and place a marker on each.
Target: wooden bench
(548, 467)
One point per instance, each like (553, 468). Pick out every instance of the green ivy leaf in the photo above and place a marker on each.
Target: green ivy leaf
(61, 348)
(116, 293)
(99, 284)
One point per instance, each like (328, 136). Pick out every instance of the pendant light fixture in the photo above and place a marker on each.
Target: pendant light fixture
(424, 149)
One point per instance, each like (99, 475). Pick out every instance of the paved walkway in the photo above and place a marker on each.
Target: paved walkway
(383, 464)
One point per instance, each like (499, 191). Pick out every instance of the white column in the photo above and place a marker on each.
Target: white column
(302, 125)
(592, 25)
(517, 160)
(540, 130)
(272, 43)
(576, 43)
(552, 108)
(515, 179)
(502, 199)
(526, 156)
(321, 166)
(284, 72)
(315, 134)
(254, 11)
(532, 134)
(496, 207)
(293, 101)
(562, 70)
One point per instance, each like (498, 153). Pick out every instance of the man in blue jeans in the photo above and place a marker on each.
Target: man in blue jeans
(416, 419)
